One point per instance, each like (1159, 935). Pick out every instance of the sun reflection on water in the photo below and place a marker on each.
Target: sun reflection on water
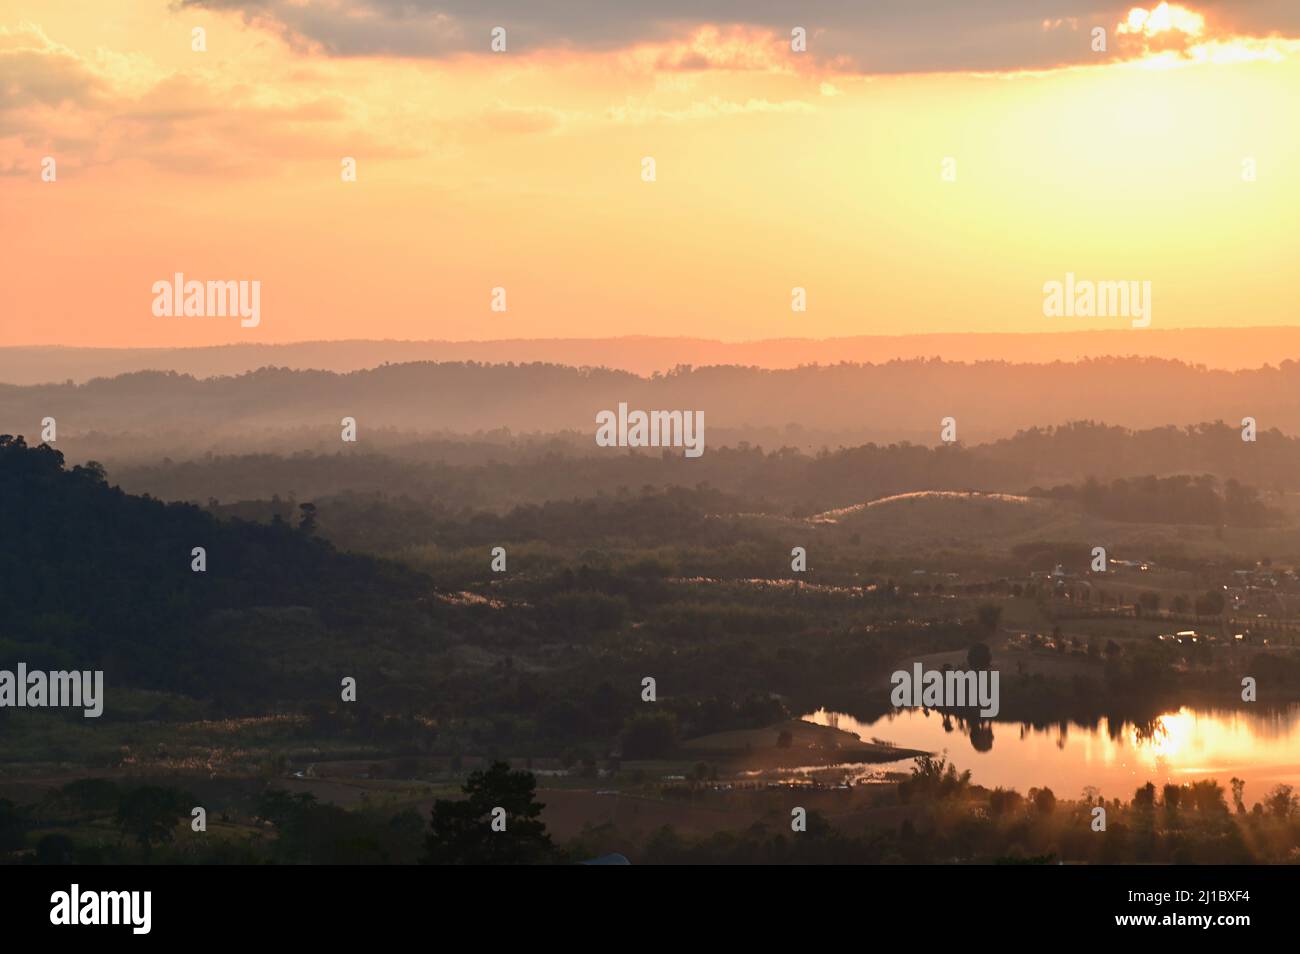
(1262, 747)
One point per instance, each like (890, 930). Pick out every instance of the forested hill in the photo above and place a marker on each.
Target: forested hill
(498, 476)
(158, 414)
(95, 578)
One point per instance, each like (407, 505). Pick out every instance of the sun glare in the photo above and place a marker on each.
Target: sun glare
(1170, 36)
(1163, 19)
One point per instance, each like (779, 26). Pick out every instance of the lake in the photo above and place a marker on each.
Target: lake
(1260, 746)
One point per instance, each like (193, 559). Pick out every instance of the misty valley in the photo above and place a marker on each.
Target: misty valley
(379, 633)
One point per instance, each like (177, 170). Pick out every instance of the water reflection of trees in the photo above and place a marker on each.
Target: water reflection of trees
(1147, 730)
(1138, 725)
(979, 731)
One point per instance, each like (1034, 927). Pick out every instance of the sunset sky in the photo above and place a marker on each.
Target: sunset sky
(522, 169)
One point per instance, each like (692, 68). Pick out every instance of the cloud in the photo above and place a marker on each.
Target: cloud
(87, 111)
(45, 89)
(37, 72)
(710, 108)
(883, 36)
(712, 48)
(659, 60)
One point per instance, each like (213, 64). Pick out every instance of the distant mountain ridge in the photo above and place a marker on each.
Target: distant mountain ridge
(1219, 348)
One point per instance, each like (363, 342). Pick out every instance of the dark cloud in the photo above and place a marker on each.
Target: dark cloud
(870, 36)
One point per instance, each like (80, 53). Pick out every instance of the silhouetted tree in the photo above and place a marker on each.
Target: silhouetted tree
(989, 615)
(150, 814)
(1044, 800)
(1281, 801)
(461, 830)
(1172, 797)
(307, 524)
(1144, 799)
(1238, 795)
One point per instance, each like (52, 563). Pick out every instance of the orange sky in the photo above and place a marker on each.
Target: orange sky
(522, 170)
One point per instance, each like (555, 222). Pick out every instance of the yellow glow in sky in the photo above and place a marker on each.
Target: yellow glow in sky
(938, 201)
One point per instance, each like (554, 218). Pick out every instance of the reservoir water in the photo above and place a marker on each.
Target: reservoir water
(1259, 746)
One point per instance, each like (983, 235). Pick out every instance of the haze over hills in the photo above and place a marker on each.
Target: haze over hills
(281, 410)
(1219, 348)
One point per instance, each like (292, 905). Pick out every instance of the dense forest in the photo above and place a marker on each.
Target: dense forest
(465, 493)
(95, 578)
(1180, 499)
